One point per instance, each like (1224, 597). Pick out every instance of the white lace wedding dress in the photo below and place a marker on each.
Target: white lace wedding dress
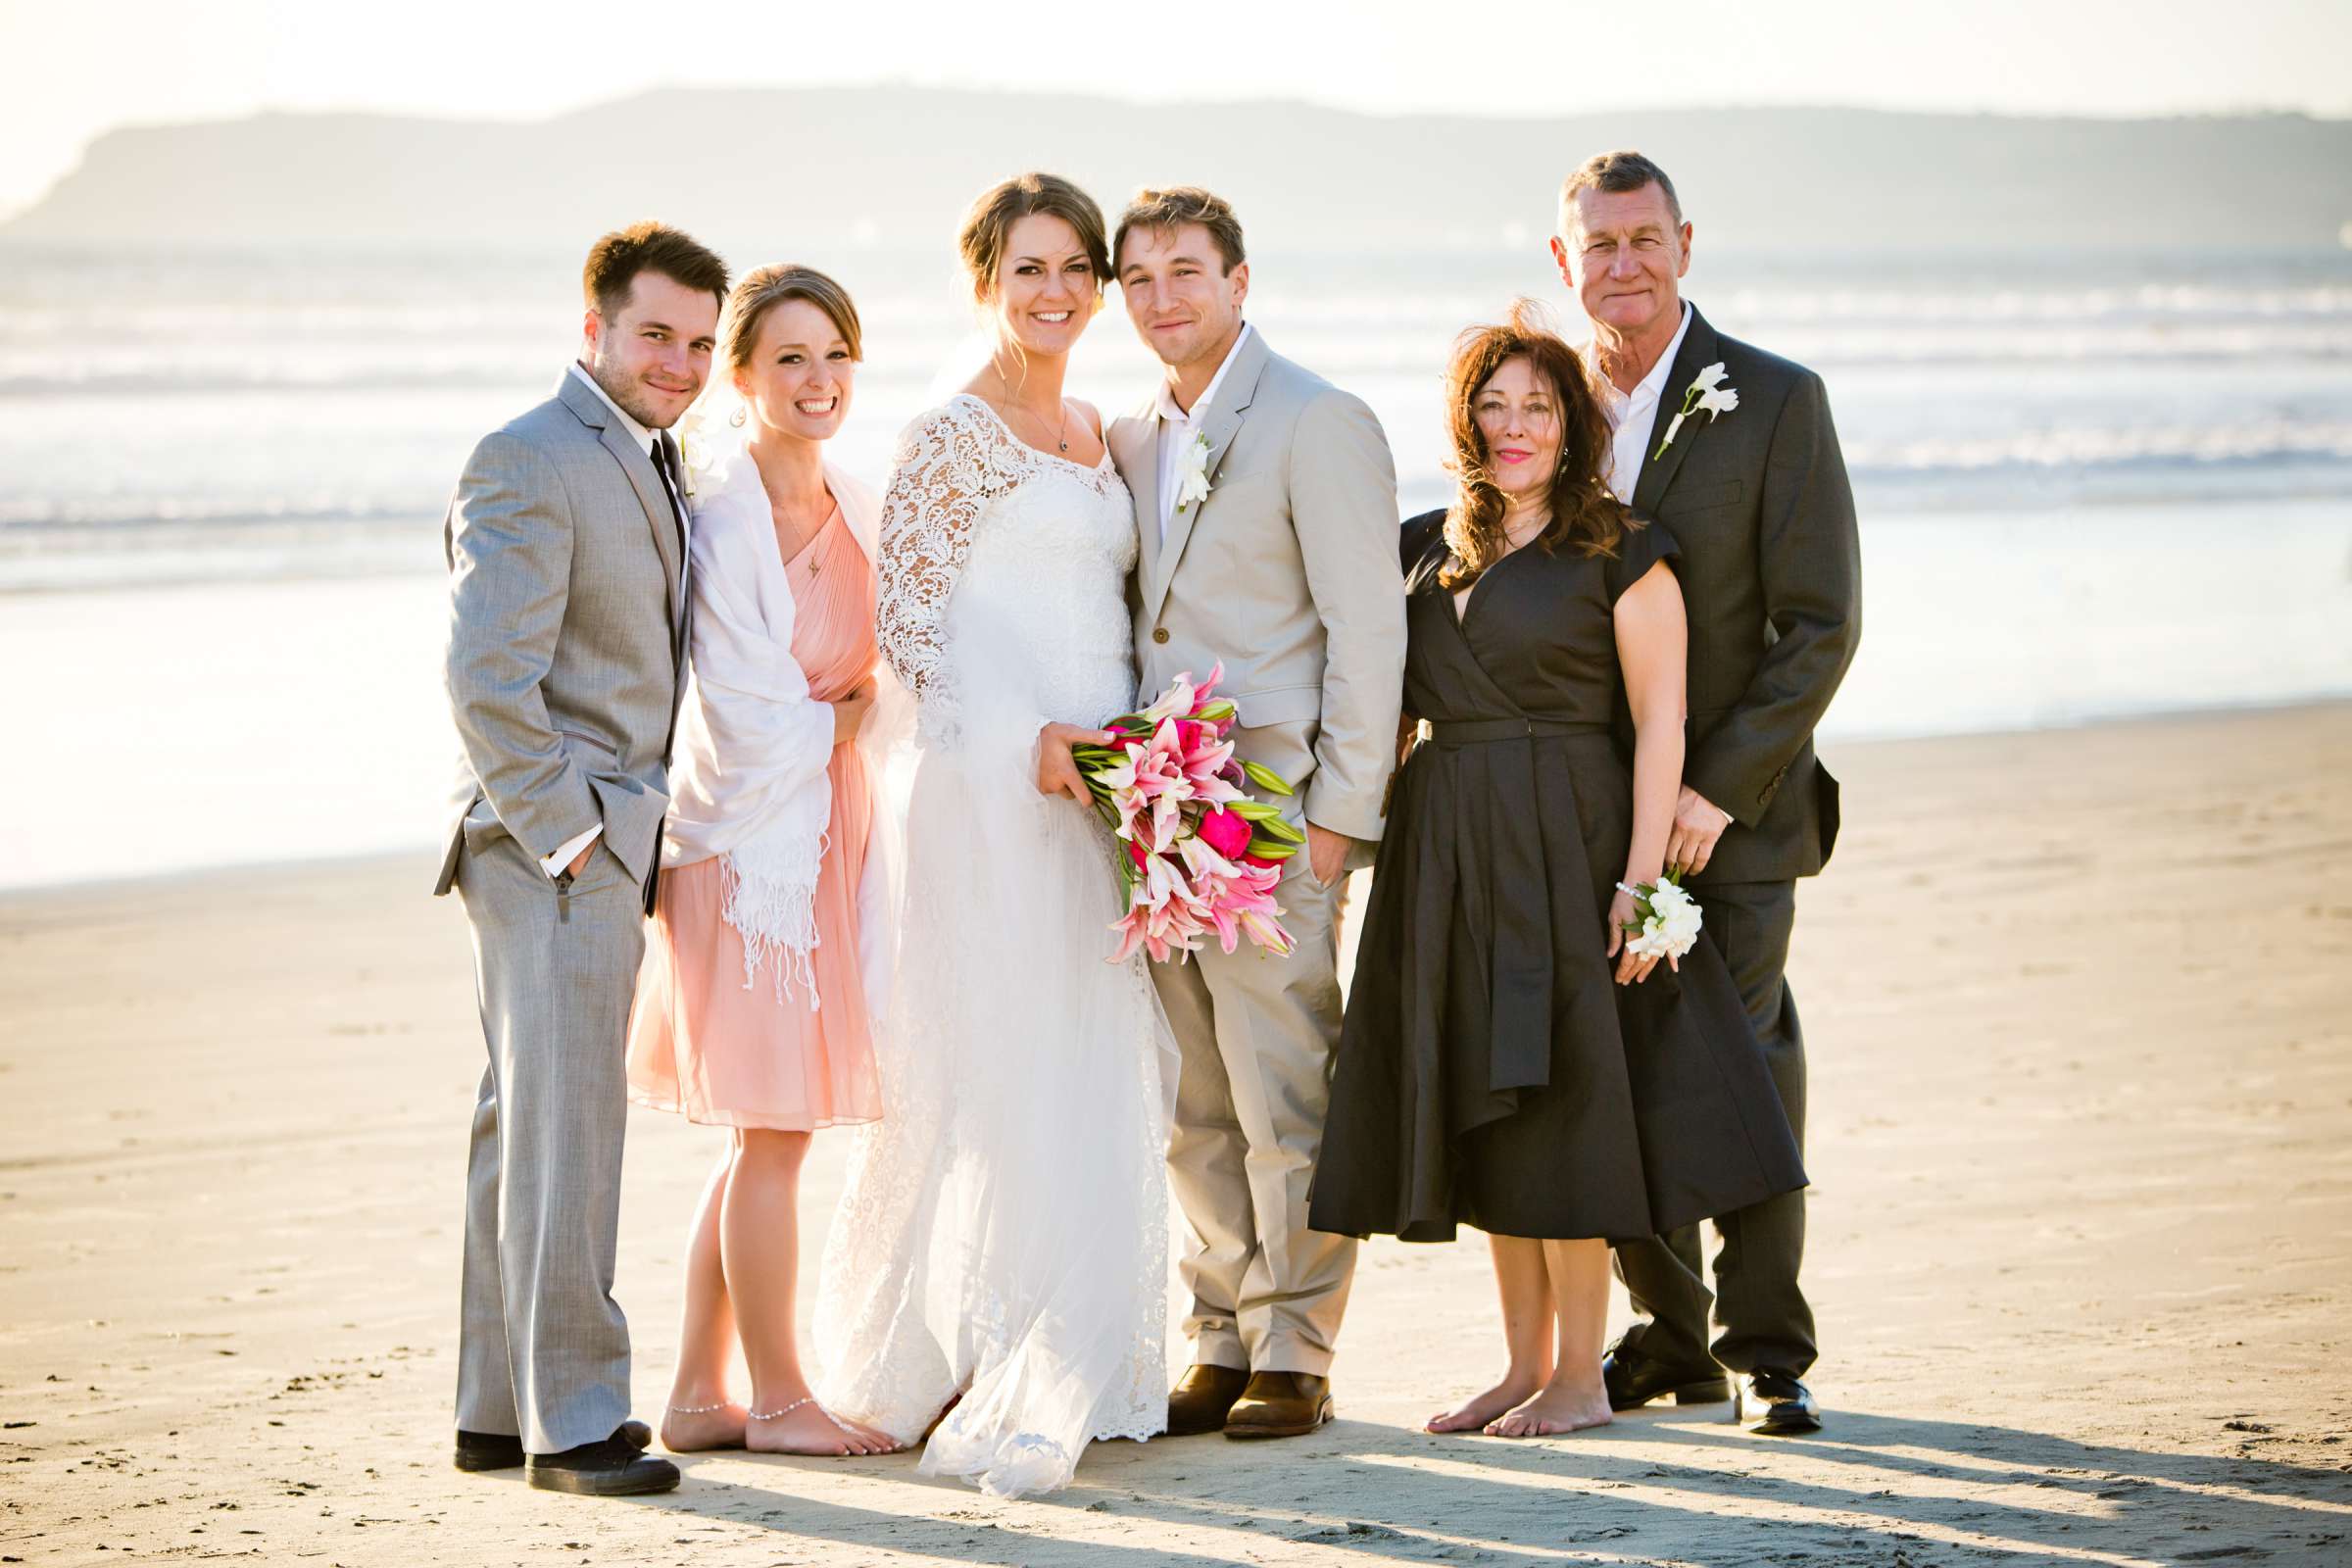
(1004, 1234)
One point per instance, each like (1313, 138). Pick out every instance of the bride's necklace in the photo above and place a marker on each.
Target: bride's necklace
(1062, 432)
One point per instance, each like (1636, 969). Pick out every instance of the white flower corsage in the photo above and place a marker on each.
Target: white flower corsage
(1193, 486)
(1706, 395)
(1665, 924)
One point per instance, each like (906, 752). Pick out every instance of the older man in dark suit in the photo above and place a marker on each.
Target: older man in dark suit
(1732, 449)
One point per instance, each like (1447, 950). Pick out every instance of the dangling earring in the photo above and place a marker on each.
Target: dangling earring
(736, 417)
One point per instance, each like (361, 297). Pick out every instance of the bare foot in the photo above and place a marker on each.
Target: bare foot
(704, 1430)
(808, 1427)
(1559, 1408)
(882, 1441)
(1476, 1411)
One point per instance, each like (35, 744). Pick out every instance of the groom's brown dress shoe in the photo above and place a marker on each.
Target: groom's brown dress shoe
(503, 1450)
(1280, 1405)
(1201, 1398)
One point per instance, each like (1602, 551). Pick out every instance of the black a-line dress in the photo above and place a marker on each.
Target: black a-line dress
(1491, 1071)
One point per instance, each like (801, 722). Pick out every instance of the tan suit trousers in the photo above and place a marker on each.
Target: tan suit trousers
(1257, 1035)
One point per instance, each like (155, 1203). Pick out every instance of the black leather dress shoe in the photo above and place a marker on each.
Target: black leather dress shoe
(606, 1469)
(1788, 1407)
(1633, 1379)
(1201, 1398)
(503, 1450)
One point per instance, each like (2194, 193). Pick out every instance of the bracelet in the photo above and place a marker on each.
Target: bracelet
(697, 1409)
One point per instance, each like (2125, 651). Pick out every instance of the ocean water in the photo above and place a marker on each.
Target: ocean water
(2091, 485)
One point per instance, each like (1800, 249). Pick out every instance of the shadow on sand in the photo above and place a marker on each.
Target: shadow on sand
(1656, 1486)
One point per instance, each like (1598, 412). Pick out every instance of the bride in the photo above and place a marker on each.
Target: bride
(1000, 1254)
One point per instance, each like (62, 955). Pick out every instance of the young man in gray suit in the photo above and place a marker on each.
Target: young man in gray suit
(567, 546)
(1755, 492)
(1266, 502)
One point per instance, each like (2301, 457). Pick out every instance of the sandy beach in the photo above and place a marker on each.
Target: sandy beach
(2080, 1027)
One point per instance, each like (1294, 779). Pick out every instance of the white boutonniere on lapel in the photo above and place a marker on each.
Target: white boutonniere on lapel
(1706, 395)
(1192, 487)
(696, 455)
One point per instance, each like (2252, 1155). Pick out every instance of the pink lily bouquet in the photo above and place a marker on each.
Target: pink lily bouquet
(1197, 854)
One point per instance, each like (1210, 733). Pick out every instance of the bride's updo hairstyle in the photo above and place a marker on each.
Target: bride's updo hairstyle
(981, 242)
(767, 287)
(1584, 513)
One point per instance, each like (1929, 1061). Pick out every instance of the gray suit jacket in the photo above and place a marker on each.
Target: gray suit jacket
(1771, 573)
(566, 625)
(1288, 572)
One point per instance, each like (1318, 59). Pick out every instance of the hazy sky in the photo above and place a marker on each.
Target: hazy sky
(78, 70)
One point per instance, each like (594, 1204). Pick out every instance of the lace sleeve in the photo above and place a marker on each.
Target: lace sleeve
(940, 478)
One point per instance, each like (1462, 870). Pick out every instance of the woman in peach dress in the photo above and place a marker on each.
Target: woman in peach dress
(767, 958)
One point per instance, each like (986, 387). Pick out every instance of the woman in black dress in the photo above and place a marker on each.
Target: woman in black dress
(1506, 1062)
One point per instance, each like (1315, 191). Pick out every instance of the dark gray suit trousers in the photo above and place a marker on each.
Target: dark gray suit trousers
(1760, 1312)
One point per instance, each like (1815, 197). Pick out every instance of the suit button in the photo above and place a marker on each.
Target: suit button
(1159, 635)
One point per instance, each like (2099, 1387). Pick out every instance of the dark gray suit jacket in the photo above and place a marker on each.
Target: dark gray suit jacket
(566, 630)
(1771, 574)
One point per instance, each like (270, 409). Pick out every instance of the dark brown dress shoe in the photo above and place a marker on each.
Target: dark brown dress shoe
(1280, 1405)
(503, 1450)
(1201, 1398)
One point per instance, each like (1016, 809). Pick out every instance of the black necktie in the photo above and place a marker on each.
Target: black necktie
(673, 485)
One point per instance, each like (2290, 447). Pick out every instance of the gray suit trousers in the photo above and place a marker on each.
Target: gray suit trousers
(1760, 1310)
(543, 1349)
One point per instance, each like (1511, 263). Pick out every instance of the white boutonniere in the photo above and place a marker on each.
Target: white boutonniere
(695, 453)
(1193, 487)
(1706, 395)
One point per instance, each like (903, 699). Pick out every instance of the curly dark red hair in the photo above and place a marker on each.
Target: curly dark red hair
(1584, 511)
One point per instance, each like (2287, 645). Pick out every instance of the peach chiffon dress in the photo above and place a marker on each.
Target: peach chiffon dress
(700, 1043)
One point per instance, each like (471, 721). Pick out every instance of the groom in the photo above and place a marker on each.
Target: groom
(1756, 494)
(566, 543)
(1266, 502)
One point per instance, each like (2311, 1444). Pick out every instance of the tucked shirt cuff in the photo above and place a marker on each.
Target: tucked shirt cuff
(568, 851)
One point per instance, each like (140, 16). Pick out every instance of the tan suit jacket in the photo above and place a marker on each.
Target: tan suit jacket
(1288, 572)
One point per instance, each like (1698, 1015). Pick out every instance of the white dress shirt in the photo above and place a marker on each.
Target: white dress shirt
(1176, 430)
(569, 851)
(1630, 413)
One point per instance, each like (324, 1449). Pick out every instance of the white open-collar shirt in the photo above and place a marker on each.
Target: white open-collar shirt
(1630, 413)
(1176, 430)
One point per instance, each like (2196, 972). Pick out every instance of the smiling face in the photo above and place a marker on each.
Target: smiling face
(1625, 256)
(799, 378)
(1186, 307)
(1046, 289)
(1518, 417)
(652, 354)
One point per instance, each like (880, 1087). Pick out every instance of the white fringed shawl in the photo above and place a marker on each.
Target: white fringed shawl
(747, 777)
